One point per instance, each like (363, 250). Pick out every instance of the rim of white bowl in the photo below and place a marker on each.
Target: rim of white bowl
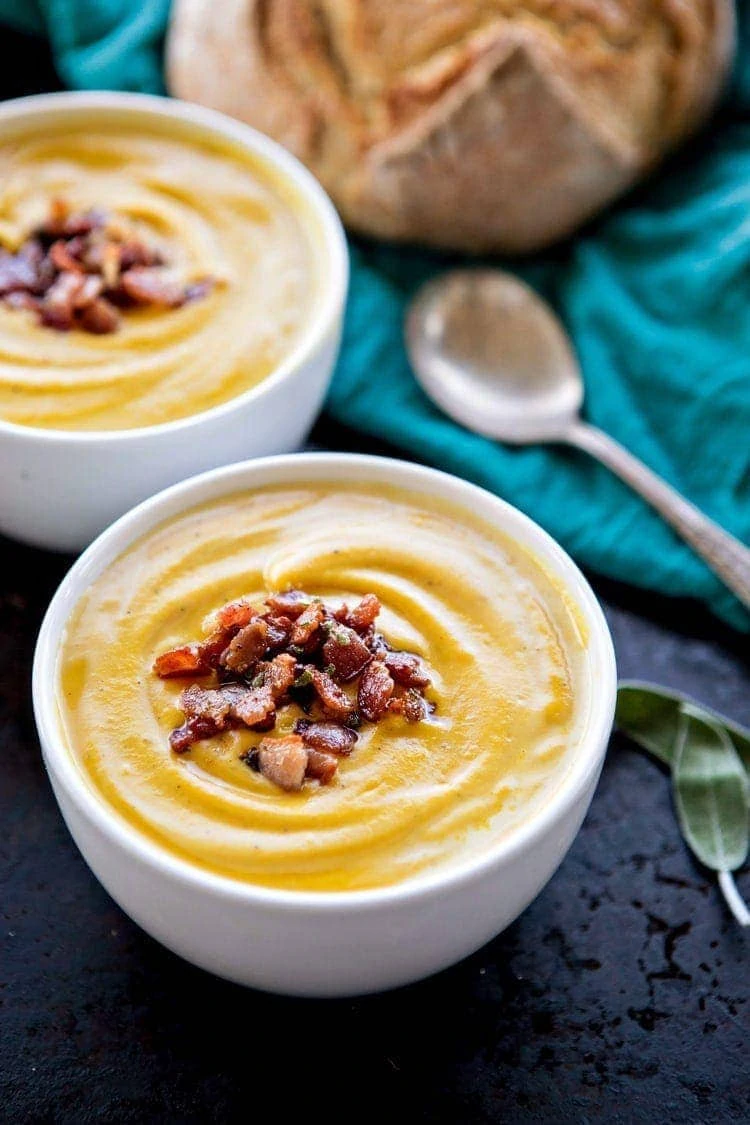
(270, 471)
(335, 283)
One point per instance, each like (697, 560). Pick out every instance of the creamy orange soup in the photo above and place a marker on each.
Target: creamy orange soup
(212, 210)
(498, 634)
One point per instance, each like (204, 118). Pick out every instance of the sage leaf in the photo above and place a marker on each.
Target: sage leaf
(650, 716)
(709, 759)
(733, 898)
(711, 791)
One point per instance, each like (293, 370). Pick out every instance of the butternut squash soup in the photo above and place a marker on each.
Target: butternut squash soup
(459, 667)
(146, 274)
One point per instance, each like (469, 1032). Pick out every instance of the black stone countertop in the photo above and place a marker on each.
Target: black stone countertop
(620, 995)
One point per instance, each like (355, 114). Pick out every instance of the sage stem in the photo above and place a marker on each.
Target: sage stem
(733, 898)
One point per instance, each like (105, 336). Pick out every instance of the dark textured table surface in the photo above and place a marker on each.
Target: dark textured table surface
(621, 995)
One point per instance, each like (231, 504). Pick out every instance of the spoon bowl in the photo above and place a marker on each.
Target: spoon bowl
(494, 356)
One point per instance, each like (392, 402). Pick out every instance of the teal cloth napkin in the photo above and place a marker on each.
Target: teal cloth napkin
(656, 295)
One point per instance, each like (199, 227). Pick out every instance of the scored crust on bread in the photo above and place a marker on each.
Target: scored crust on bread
(484, 125)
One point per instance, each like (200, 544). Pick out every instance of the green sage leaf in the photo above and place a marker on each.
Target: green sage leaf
(650, 718)
(711, 791)
(650, 715)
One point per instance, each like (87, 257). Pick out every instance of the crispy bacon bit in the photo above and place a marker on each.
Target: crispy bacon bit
(362, 616)
(57, 310)
(114, 266)
(378, 645)
(148, 285)
(191, 731)
(406, 669)
(63, 223)
(410, 704)
(279, 630)
(293, 652)
(280, 674)
(91, 288)
(192, 660)
(211, 703)
(328, 737)
(111, 263)
(321, 766)
(59, 209)
(19, 299)
(134, 252)
(336, 703)
(62, 259)
(213, 646)
(256, 707)
(375, 689)
(99, 317)
(185, 661)
(289, 604)
(235, 614)
(307, 624)
(283, 761)
(345, 653)
(208, 712)
(246, 648)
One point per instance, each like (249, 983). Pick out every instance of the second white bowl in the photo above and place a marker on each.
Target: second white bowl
(59, 488)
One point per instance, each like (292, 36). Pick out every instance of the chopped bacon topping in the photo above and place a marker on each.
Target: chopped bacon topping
(235, 614)
(149, 285)
(75, 268)
(307, 624)
(345, 653)
(406, 669)
(246, 648)
(192, 730)
(99, 317)
(281, 674)
(62, 259)
(336, 703)
(410, 704)
(279, 630)
(378, 645)
(283, 761)
(90, 290)
(362, 616)
(57, 308)
(328, 737)
(211, 703)
(185, 661)
(321, 766)
(193, 660)
(256, 707)
(375, 689)
(294, 651)
(208, 712)
(289, 604)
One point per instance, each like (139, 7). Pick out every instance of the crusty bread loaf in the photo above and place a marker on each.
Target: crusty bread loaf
(495, 125)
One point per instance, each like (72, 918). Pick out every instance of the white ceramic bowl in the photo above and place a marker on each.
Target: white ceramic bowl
(323, 944)
(58, 488)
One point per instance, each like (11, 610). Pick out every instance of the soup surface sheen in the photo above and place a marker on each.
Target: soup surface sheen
(499, 636)
(214, 211)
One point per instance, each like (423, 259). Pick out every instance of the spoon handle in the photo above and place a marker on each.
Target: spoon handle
(726, 556)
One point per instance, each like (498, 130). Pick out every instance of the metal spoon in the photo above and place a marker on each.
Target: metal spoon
(493, 355)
